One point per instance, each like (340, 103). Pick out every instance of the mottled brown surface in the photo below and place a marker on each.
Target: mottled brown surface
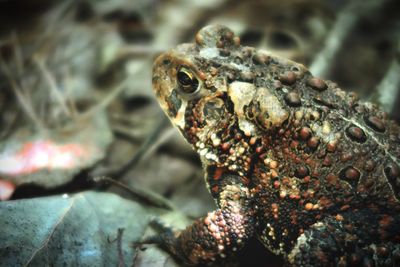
(306, 167)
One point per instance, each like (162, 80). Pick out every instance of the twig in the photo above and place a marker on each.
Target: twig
(105, 102)
(132, 133)
(7, 129)
(121, 262)
(19, 62)
(22, 99)
(120, 232)
(70, 101)
(154, 140)
(344, 25)
(144, 196)
(55, 22)
(388, 88)
(52, 85)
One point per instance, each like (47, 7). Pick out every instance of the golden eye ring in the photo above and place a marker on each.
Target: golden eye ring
(187, 81)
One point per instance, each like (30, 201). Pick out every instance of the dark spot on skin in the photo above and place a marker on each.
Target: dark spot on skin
(301, 171)
(225, 146)
(375, 123)
(352, 173)
(261, 58)
(332, 146)
(317, 84)
(356, 134)
(166, 62)
(349, 174)
(288, 78)
(293, 99)
(392, 171)
(305, 133)
(313, 142)
(325, 102)
(174, 103)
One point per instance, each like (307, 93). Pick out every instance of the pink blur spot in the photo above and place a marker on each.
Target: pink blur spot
(6, 189)
(45, 154)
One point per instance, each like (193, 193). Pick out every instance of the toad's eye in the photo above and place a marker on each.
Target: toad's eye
(187, 81)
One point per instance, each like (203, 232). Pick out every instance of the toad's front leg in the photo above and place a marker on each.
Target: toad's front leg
(215, 236)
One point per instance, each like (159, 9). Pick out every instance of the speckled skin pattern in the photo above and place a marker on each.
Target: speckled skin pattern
(307, 168)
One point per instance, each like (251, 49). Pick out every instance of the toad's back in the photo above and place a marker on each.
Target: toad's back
(293, 159)
(333, 155)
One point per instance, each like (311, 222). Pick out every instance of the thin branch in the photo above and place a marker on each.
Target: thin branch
(388, 88)
(105, 102)
(55, 22)
(52, 85)
(153, 141)
(70, 100)
(145, 196)
(19, 62)
(345, 23)
(121, 262)
(9, 126)
(22, 99)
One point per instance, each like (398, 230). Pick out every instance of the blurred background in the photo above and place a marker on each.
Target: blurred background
(75, 85)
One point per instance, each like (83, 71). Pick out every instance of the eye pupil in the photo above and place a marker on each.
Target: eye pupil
(184, 78)
(188, 82)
